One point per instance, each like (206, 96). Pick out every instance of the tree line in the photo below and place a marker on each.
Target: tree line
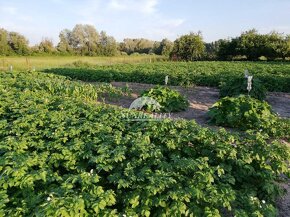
(82, 40)
(250, 45)
(85, 40)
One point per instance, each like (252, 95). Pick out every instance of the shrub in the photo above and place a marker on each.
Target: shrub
(80, 64)
(242, 112)
(169, 100)
(122, 53)
(237, 86)
(263, 58)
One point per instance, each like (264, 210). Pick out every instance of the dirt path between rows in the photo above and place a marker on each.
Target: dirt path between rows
(201, 99)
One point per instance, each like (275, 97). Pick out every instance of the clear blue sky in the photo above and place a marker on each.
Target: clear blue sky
(153, 19)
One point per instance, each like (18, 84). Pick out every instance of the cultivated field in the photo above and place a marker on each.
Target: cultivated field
(71, 147)
(275, 76)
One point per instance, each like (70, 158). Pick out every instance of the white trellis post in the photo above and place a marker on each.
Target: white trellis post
(166, 79)
(246, 73)
(250, 81)
(249, 87)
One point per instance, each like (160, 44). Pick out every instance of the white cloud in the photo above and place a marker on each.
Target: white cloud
(8, 10)
(170, 23)
(165, 28)
(143, 6)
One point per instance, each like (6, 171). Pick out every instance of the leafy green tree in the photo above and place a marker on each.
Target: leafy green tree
(157, 49)
(46, 46)
(128, 45)
(226, 49)
(212, 49)
(189, 47)
(4, 46)
(18, 43)
(166, 47)
(84, 39)
(137, 46)
(253, 45)
(278, 45)
(163, 48)
(144, 46)
(288, 45)
(107, 45)
(65, 42)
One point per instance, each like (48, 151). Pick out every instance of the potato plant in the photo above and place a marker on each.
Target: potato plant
(63, 154)
(238, 86)
(169, 100)
(275, 77)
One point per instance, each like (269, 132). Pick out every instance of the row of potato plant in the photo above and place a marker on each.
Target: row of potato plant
(64, 154)
(275, 76)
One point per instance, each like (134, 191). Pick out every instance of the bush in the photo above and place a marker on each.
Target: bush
(80, 64)
(169, 100)
(135, 54)
(237, 86)
(239, 58)
(263, 58)
(122, 53)
(242, 112)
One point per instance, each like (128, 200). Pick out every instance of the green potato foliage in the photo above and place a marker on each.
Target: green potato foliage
(237, 86)
(63, 154)
(242, 112)
(169, 100)
(274, 76)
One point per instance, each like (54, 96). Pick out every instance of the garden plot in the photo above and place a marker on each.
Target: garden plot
(200, 98)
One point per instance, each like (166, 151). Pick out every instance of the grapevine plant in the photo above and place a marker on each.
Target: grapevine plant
(63, 154)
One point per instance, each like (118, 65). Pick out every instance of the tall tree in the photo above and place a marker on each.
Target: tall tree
(140, 45)
(128, 45)
(85, 39)
(144, 46)
(107, 45)
(166, 47)
(4, 46)
(227, 49)
(18, 43)
(46, 46)
(213, 48)
(278, 43)
(189, 47)
(65, 42)
(288, 45)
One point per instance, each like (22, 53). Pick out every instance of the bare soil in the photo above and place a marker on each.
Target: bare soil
(201, 99)
(283, 204)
